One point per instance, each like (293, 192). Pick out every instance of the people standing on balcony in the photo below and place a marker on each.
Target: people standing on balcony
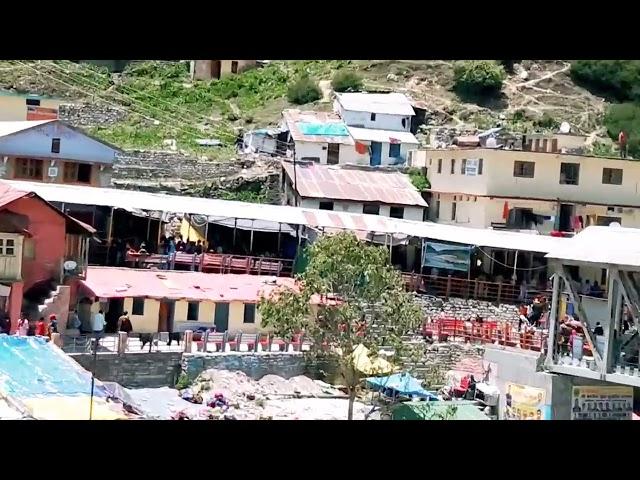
(596, 290)
(23, 325)
(98, 323)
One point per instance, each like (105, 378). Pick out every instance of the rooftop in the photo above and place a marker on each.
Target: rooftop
(316, 127)
(364, 184)
(112, 282)
(9, 128)
(386, 103)
(605, 246)
(383, 136)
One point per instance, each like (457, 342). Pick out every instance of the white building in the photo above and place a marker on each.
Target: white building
(319, 137)
(382, 111)
(382, 147)
(352, 189)
(539, 190)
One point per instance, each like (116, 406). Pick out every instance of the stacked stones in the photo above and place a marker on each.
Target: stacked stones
(466, 308)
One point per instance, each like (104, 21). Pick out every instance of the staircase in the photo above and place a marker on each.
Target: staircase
(47, 299)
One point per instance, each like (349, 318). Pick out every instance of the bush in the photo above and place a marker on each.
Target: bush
(509, 64)
(615, 79)
(346, 81)
(625, 116)
(305, 90)
(478, 77)
(547, 122)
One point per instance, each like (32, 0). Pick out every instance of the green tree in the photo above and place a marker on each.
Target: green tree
(478, 77)
(618, 80)
(346, 81)
(419, 179)
(362, 300)
(303, 91)
(625, 117)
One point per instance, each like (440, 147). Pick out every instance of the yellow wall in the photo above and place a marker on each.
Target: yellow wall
(180, 311)
(147, 323)
(190, 233)
(14, 107)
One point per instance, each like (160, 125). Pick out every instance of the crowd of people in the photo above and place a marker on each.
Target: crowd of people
(533, 314)
(25, 328)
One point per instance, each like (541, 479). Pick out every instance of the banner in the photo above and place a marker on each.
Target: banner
(602, 403)
(525, 403)
(447, 257)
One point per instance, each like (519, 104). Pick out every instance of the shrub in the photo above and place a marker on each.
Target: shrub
(478, 77)
(346, 81)
(183, 381)
(508, 65)
(547, 122)
(616, 79)
(305, 90)
(625, 116)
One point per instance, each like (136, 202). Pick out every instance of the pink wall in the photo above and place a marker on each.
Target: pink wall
(15, 304)
(48, 230)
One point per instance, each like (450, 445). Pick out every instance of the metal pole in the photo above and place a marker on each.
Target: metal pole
(205, 247)
(251, 240)
(279, 231)
(235, 226)
(515, 264)
(553, 319)
(62, 207)
(148, 229)
(109, 234)
(93, 376)
(188, 239)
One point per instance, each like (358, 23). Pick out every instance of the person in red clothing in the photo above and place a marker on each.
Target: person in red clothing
(41, 328)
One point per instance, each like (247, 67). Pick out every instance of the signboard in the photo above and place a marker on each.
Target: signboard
(525, 403)
(447, 257)
(41, 113)
(602, 403)
(471, 167)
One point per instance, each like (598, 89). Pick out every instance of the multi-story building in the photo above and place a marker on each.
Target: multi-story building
(530, 190)
(54, 152)
(216, 69)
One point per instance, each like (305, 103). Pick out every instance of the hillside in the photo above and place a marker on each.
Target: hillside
(156, 101)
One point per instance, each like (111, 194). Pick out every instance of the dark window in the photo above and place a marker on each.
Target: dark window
(84, 173)
(326, 206)
(7, 247)
(333, 154)
(234, 66)
(55, 145)
(34, 102)
(404, 122)
(371, 209)
(373, 117)
(249, 313)
(192, 311)
(396, 212)
(77, 172)
(480, 167)
(138, 306)
(454, 210)
(612, 176)
(30, 168)
(439, 165)
(463, 166)
(524, 169)
(437, 212)
(394, 150)
(453, 166)
(569, 173)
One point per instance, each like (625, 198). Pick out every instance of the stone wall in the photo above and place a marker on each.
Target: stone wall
(439, 358)
(90, 115)
(134, 370)
(465, 309)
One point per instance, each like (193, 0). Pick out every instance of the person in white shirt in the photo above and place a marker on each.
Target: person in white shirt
(98, 323)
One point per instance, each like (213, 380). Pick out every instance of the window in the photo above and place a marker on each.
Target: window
(192, 311)
(310, 159)
(463, 166)
(373, 117)
(55, 145)
(7, 247)
(29, 249)
(612, 176)
(394, 150)
(524, 169)
(437, 212)
(439, 165)
(454, 210)
(249, 313)
(480, 166)
(30, 168)
(234, 66)
(396, 212)
(371, 209)
(404, 122)
(569, 173)
(453, 166)
(77, 172)
(138, 306)
(326, 206)
(34, 102)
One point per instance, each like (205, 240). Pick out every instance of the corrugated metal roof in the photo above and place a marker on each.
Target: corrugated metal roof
(384, 136)
(8, 128)
(389, 103)
(9, 194)
(602, 245)
(113, 282)
(357, 184)
(293, 117)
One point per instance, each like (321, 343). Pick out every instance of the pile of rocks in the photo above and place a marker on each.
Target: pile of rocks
(91, 114)
(466, 308)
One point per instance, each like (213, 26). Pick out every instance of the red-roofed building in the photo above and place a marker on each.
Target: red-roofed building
(36, 242)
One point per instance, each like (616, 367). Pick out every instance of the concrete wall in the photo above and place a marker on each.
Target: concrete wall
(14, 107)
(148, 322)
(365, 159)
(410, 213)
(255, 365)
(382, 121)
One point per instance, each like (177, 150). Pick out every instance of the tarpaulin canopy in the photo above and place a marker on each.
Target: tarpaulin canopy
(330, 129)
(402, 384)
(439, 410)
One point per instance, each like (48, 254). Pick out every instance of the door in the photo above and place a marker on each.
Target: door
(565, 223)
(215, 69)
(376, 154)
(333, 153)
(165, 316)
(115, 309)
(221, 317)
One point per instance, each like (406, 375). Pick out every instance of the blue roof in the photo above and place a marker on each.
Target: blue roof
(328, 129)
(402, 383)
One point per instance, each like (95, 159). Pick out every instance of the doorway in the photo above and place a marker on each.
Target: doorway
(165, 316)
(114, 310)
(565, 217)
(215, 69)
(333, 154)
(221, 317)
(376, 154)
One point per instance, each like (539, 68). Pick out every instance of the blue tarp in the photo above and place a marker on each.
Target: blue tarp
(400, 384)
(328, 129)
(445, 256)
(31, 367)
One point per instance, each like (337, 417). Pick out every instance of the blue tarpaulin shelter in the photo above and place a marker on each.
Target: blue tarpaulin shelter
(328, 129)
(400, 384)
